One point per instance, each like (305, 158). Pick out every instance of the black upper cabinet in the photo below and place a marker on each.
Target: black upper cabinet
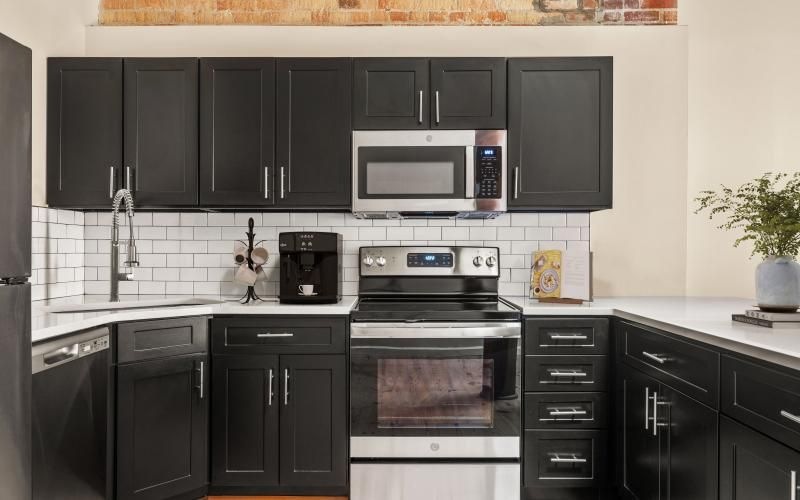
(391, 94)
(160, 140)
(162, 426)
(314, 421)
(313, 133)
(560, 133)
(468, 93)
(753, 466)
(237, 131)
(84, 131)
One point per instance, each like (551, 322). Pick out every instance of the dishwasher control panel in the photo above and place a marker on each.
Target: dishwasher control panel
(93, 346)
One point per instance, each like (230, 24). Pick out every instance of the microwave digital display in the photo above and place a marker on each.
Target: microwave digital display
(429, 260)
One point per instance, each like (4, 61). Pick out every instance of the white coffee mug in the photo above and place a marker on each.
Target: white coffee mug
(306, 289)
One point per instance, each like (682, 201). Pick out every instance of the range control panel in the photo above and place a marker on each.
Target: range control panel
(430, 261)
(488, 172)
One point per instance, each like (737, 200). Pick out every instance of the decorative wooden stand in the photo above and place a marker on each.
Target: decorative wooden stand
(251, 290)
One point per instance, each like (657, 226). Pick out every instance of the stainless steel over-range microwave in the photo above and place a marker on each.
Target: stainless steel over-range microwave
(429, 173)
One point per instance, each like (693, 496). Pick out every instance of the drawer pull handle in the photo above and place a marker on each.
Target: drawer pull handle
(577, 336)
(655, 357)
(567, 373)
(560, 412)
(572, 458)
(274, 335)
(793, 492)
(793, 418)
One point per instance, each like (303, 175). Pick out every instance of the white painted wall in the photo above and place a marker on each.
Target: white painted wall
(640, 245)
(744, 120)
(49, 28)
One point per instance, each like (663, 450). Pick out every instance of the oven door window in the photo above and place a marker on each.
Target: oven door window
(424, 387)
(412, 172)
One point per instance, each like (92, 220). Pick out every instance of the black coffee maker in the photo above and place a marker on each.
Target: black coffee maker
(311, 267)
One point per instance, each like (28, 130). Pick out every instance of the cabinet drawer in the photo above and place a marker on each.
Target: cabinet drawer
(572, 410)
(763, 398)
(565, 458)
(279, 335)
(566, 336)
(687, 367)
(162, 338)
(566, 373)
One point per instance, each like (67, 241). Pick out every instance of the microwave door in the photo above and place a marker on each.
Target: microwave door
(469, 173)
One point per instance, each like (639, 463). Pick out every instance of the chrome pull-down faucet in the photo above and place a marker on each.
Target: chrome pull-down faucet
(132, 260)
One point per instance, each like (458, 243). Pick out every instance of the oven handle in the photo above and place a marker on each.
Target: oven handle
(437, 331)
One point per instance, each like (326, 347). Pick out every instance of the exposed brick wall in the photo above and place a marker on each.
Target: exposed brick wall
(383, 12)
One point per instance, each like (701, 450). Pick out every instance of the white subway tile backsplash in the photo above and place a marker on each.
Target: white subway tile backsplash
(552, 219)
(566, 233)
(427, 233)
(166, 219)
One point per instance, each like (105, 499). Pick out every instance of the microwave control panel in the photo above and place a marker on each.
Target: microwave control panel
(489, 173)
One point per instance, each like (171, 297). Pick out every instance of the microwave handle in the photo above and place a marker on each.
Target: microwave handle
(469, 177)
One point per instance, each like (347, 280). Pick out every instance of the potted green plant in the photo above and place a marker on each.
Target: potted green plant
(767, 211)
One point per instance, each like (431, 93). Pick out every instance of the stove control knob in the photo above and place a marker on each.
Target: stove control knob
(368, 261)
(491, 261)
(381, 261)
(477, 261)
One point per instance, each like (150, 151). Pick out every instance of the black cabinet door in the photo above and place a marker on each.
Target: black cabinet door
(313, 421)
(468, 93)
(162, 427)
(688, 430)
(84, 131)
(560, 133)
(639, 443)
(160, 103)
(753, 466)
(237, 131)
(313, 147)
(391, 94)
(244, 433)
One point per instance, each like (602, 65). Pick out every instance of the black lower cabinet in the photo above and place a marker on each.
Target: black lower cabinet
(162, 426)
(244, 434)
(279, 424)
(754, 467)
(669, 441)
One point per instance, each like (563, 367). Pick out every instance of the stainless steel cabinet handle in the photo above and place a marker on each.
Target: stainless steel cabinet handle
(285, 386)
(655, 357)
(793, 418)
(646, 408)
(572, 458)
(420, 106)
(201, 387)
(655, 413)
(516, 182)
(111, 182)
(283, 179)
(568, 373)
(266, 183)
(558, 336)
(437, 107)
(560, 412)
(273, 335)
(270, 393)
(129, 178)
(793, 492)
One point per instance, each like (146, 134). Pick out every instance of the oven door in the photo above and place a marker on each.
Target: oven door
(435, 390)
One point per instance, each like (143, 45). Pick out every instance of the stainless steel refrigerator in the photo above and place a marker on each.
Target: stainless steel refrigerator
(15, 269)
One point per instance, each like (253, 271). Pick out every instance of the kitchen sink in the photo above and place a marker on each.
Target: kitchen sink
(131, 304)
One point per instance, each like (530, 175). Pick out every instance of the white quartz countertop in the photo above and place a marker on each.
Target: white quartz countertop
(45, 325)
(704, 319)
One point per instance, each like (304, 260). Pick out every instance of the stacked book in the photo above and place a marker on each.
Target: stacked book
(768, 319)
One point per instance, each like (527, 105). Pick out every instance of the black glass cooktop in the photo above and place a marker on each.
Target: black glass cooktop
(374, 309)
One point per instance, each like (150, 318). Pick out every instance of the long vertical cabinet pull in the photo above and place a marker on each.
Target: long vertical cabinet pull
(283, 179)
(516, 182)
(437, 108)
(420, 106)
(129, 178)
(793, 493)
(646, 408)
(270, 392)
(266, 183)
(111, 179)
(285, 387)
(201, 387)
(655, 413)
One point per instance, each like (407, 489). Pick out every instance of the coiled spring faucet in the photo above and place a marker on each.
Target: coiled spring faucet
(132, 259)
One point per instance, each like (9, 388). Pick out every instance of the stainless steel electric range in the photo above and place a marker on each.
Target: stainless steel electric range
(435, 361)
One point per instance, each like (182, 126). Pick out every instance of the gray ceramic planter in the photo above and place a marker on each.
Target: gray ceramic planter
(778, 284)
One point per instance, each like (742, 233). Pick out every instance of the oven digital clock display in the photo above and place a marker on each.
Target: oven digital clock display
(430, 260)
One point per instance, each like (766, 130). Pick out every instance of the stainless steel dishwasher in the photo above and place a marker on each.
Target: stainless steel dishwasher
(71, 398)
